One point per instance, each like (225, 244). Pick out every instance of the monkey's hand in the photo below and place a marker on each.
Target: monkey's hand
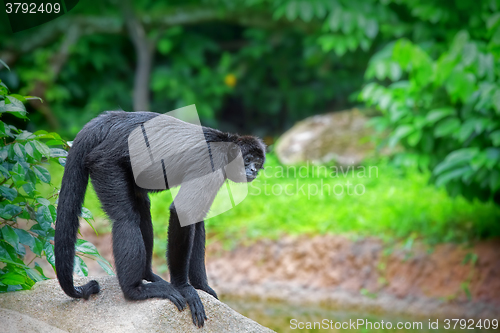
(194, 302)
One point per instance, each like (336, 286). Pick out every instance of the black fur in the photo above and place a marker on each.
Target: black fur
(101, 151)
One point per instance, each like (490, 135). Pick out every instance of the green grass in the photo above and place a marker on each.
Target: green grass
(396, 205)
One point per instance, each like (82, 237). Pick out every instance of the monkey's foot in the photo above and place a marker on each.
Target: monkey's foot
(152, 277)
(206, 288)
(160, 289)
(195, 304)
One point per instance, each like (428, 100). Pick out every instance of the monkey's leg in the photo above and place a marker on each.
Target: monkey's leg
(197, 271)
(180, 244)
(115, 191)
(147, 236)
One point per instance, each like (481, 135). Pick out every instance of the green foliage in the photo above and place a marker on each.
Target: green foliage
(26, 217)
(444, 107)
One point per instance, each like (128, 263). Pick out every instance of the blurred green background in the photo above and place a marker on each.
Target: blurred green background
(427, 71)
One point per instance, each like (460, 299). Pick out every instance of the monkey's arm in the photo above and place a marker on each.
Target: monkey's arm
(197, 270)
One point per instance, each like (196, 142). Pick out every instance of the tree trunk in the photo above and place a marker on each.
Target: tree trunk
(144, 50)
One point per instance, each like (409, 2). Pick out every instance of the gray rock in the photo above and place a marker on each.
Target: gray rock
(47, 309)
(341, 136)
(12, 321)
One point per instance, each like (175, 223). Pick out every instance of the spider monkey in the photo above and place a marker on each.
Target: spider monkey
(101, 151)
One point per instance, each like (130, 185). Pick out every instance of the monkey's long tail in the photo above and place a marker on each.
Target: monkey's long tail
(71, 196)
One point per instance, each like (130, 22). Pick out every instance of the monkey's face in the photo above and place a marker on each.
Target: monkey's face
(253, 152)
(252, 166)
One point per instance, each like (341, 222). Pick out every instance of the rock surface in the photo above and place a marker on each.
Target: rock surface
(340, 136)
(47, 309)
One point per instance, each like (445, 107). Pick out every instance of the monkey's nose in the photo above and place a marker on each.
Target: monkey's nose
(253, 169)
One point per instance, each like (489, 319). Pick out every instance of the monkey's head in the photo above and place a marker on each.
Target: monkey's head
(253, 152)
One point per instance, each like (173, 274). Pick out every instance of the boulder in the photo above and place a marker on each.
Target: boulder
(46, 308)
(341, 136)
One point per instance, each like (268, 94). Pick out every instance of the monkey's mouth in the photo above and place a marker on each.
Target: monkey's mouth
(251, 177)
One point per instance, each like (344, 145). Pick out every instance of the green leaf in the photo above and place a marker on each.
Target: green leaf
(42, 173)
(492, 21)
(53, 212)
(447, 127)
(455, 159)
(106, 266)
(89, 221)
(466, 130)
(371, 28)
(460, 85)
(20, 151)
(37, 247)
(89, 249)
(493, 157)
(469, 54)
(414, 138)
(25, 237)
(9, 211)
(13, 278)
(395, 71)
(80, 267)
(43, 201)
(42, 148)
(25, 135)
(4, 64)
(495, 101)
(495, 138)
(29, 149)
(49, 254)
(478, 161)
(35, 275)
(54, 143)
(30, 98)
(7, 253)
(450, 175)
(30, 189)
(399, 133)
(438, 114)
(86, 247)
(58, 152)
(86, 213)
(8, 193)
(10, 236)
(4, 172)
(14, 106)
(44, 218)
(305, 11)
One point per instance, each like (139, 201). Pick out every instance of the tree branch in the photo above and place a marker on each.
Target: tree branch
(56, 63)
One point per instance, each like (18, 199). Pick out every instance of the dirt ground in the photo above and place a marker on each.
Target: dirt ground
(364, 274)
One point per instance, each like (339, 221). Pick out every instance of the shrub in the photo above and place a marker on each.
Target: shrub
(22, 155)
(445, 110)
